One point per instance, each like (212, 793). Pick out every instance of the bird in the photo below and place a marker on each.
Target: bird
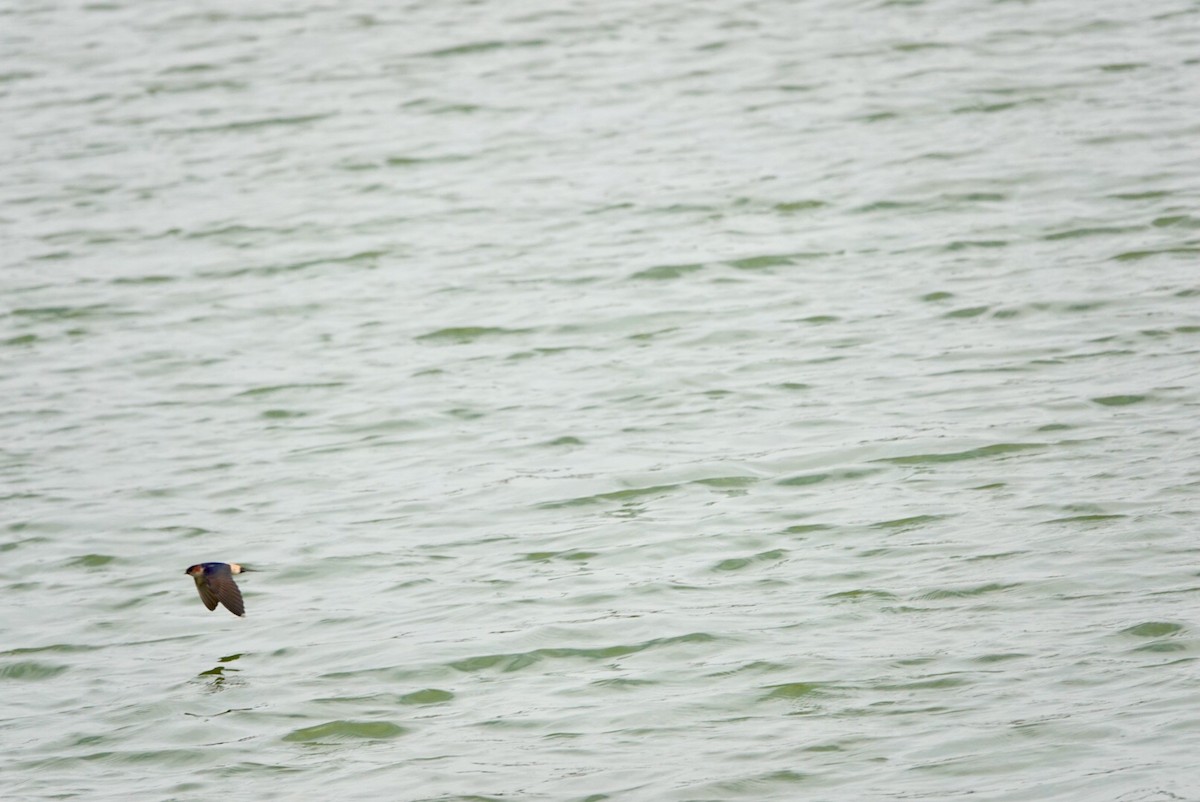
(214, 581)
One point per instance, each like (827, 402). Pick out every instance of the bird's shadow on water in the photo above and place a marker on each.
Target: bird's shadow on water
(221, 677)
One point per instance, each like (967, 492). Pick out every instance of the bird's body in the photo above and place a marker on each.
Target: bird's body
(214, 581)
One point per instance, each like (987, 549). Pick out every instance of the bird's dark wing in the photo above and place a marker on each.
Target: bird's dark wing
(222, 588)
(206, 595)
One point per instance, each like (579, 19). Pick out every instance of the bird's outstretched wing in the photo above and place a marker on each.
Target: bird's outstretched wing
(221, 588)
(206, 595)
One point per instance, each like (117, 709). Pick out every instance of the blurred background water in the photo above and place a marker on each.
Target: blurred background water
(722, 400)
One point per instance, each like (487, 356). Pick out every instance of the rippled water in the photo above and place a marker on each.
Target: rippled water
(651, 401)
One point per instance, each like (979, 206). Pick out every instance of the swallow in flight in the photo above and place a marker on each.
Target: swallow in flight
(215, 583)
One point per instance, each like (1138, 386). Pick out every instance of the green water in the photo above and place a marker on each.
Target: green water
(635, 401)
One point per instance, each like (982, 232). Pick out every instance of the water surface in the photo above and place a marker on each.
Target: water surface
(634, 401)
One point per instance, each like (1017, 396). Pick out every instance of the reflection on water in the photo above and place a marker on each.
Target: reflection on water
(222, 677)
